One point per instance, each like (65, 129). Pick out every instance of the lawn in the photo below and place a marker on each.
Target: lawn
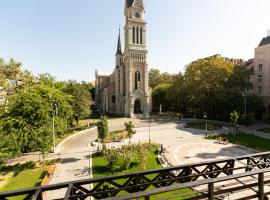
(21, 176)
(101, 169)
(202, 125)
(250, 141)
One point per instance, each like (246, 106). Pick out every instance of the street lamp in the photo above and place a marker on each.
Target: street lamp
(150, 120)
(205, 117)
(245, 104)
(54, 113)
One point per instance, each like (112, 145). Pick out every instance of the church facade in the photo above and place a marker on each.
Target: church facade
(126, 92)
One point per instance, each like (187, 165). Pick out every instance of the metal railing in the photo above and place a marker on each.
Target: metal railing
(141, 184)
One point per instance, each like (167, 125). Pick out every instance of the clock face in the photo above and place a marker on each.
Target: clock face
(137, 15)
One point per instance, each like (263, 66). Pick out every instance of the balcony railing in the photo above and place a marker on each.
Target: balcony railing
(206, 179)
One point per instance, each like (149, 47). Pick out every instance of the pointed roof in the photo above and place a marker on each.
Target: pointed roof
(129, 3)
(119, 49)
(265, 41)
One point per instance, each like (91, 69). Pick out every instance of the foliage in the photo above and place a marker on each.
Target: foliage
(143, 154)
(100, 169)
(156, 78)
(160, 96)
(213, 85)
(26, 124)
(82, 98)
(102, 126)
(129, 128)
(234, 119)
(247, 120)
(111, 155)
(126, 154)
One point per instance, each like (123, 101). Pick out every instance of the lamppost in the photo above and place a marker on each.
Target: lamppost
(54, 113)
(150, 120)
(245, 104)
(205, 117)
(149, 129)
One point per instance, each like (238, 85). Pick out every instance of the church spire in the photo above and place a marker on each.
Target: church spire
(119, 50)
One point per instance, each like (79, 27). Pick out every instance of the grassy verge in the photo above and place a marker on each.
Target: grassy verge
(101, 169)
(21, 176)
(202, 125)
(250, 141)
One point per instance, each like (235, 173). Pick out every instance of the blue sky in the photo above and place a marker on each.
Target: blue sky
(72, 38)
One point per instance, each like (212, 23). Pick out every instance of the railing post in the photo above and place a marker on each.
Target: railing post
(211, 191)
(261, 186)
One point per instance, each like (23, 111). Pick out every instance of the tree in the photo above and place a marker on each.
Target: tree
(82, 99)
(27, 123)
(102, 127)
(160, 96)
(129, 128)
(234, 119)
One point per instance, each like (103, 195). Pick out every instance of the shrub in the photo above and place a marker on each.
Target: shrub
(129, 128)
(102, 126)
(126, 154)
(247, 120)
(111, 155)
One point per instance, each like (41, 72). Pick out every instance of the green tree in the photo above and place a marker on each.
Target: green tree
(82, 99)
(27, 123)
(102, 126)
(160, 96)
(234, 120)
(129, 128)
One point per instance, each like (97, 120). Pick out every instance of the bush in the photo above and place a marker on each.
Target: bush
(248, 120)
(111, 155)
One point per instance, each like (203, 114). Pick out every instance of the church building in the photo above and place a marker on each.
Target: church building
(126, 92)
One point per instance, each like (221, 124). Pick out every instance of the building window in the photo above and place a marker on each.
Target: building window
(137, 80)
(259, 89)
(137, 34)
(113, 99)
(141, 34)
(260, 78)
(133, 35)
(260, 67)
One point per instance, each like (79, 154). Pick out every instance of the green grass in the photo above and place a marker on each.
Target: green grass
(250, 141)
(264, 130)
(101, 169)
(202, 125)
(22, 176)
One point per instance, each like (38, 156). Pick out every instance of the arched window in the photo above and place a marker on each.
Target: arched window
(141, 35)
(137, 80)
(133, 35)
(137, 34)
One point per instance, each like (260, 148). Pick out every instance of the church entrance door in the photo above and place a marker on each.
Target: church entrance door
(137, 107)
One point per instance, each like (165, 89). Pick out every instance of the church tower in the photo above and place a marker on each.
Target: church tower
(137, 98)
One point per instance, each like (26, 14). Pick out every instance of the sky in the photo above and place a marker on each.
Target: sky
(71, 38)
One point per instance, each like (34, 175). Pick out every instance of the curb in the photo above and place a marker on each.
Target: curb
(57, 148)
